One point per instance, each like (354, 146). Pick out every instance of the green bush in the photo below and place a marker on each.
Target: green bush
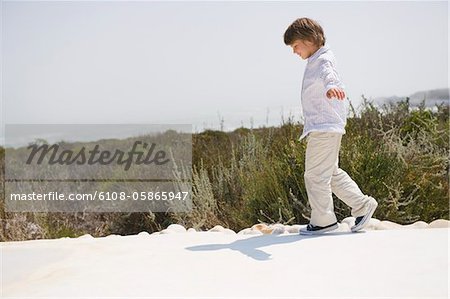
(396, 154)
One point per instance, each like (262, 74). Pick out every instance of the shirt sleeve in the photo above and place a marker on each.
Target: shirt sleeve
(329, 75)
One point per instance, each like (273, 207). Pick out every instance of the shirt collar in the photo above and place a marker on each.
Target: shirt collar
(318, 52)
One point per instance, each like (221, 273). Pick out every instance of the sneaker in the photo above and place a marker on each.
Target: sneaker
(317, 230)
(362, 221)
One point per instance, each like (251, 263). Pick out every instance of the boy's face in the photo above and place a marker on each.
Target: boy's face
(303, 48)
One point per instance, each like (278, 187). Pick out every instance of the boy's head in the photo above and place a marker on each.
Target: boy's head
(305, 36)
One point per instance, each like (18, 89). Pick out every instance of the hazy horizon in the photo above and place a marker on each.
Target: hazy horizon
(199, 62)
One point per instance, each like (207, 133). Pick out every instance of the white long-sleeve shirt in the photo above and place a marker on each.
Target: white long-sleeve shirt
(319, 112)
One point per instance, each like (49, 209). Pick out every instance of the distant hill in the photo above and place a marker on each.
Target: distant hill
(432, 98)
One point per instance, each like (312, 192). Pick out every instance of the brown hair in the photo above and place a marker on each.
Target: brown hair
(305, 29)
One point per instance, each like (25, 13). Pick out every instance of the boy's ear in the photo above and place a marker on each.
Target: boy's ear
(308, 43)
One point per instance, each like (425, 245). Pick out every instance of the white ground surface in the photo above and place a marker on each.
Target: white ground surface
(391, 263)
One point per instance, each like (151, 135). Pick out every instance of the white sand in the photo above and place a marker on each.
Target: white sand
(377, 263)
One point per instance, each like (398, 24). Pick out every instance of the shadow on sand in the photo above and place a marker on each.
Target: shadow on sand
(249, 246)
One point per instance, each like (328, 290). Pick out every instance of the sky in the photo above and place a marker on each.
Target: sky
(215, 65)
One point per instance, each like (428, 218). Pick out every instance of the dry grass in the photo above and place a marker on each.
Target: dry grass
(398, 155)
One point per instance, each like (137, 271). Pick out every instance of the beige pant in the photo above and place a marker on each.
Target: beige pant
(323, 177)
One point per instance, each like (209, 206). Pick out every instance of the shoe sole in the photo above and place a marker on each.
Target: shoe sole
(318, 232)
(366, 218)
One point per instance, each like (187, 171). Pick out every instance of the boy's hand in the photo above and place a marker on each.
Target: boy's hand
(336, 93)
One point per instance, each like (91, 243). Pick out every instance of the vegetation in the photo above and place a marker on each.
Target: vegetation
(396, 154)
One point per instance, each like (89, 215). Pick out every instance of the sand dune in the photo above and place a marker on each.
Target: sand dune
(265, 261)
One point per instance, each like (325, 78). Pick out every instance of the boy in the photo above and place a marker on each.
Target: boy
(325, 115)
